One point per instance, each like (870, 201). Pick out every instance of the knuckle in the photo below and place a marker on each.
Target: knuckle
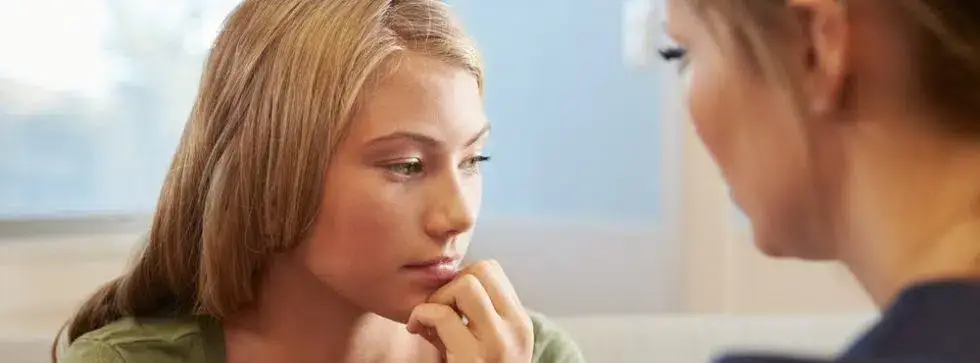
(525, 323)
(493, 263)
(441, 296)
(467, 279)
(485, 266)
(524, 337)
(523, 330)
(470, 282)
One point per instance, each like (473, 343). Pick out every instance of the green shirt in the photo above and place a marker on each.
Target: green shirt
(200, 340)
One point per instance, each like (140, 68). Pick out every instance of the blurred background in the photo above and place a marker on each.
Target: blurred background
(600, 202)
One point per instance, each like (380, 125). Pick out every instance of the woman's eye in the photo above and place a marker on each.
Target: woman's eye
(473, 163)
(408, 167)
(672, 53)
(675, 54)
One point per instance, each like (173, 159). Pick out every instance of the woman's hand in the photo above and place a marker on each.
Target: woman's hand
(477, 317)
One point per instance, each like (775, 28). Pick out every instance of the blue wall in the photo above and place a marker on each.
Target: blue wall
(575, 130)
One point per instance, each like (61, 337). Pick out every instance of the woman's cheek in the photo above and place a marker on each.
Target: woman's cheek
(705, 108)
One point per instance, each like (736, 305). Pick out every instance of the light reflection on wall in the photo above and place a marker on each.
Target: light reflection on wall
(93, 96)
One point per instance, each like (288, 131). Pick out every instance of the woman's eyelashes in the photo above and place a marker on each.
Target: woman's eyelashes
(405, 167)
(672, 53)
(473, 163)
(415, 167)
(675, 54)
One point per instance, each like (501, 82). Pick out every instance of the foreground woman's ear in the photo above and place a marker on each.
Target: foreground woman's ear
(823, 59)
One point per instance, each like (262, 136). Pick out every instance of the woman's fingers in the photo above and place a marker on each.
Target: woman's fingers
(501, 292)
(448, 325)
(467, 294)
(498, 328)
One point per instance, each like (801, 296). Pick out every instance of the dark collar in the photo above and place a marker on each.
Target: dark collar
(938, 321)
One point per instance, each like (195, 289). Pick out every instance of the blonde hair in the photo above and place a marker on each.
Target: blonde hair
(944, 34)
(280, 88)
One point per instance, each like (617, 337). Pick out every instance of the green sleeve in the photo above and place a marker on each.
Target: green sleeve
(552, 344)
(131, 340)
(90, 351)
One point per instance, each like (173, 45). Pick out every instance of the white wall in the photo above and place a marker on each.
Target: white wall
(43, 278)
(772, 286)
(586, 268)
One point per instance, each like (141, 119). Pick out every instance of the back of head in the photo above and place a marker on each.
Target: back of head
(943, 38)
(281, 84)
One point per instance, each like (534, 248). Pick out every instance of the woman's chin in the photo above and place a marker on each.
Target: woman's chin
(396, 314)
(401, 308)
(773, 241)
(770, 247)
(780, 244)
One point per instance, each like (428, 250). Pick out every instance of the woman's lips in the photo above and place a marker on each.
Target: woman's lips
(434, 272)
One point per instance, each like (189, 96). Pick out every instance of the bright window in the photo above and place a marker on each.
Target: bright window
(93, 97)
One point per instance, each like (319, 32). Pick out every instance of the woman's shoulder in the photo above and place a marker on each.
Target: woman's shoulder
(551, 343)
(138, 340)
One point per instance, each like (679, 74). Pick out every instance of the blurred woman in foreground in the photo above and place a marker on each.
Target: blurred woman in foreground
(850, 130)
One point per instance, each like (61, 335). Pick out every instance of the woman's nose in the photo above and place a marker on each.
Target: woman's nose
(452, 211)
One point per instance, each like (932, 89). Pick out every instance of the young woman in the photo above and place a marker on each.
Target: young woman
(319, 204)
(850, 130)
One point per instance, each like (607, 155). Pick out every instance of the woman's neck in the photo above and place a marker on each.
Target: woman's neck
(298, 319)
(951, 255)
(912, 214)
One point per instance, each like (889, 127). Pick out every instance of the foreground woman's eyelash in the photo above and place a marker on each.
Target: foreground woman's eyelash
(674, 53)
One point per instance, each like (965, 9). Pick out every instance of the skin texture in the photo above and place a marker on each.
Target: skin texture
(403, 188)
(847, 169)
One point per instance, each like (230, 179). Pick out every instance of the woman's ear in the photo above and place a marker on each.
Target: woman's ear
(825, 35)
